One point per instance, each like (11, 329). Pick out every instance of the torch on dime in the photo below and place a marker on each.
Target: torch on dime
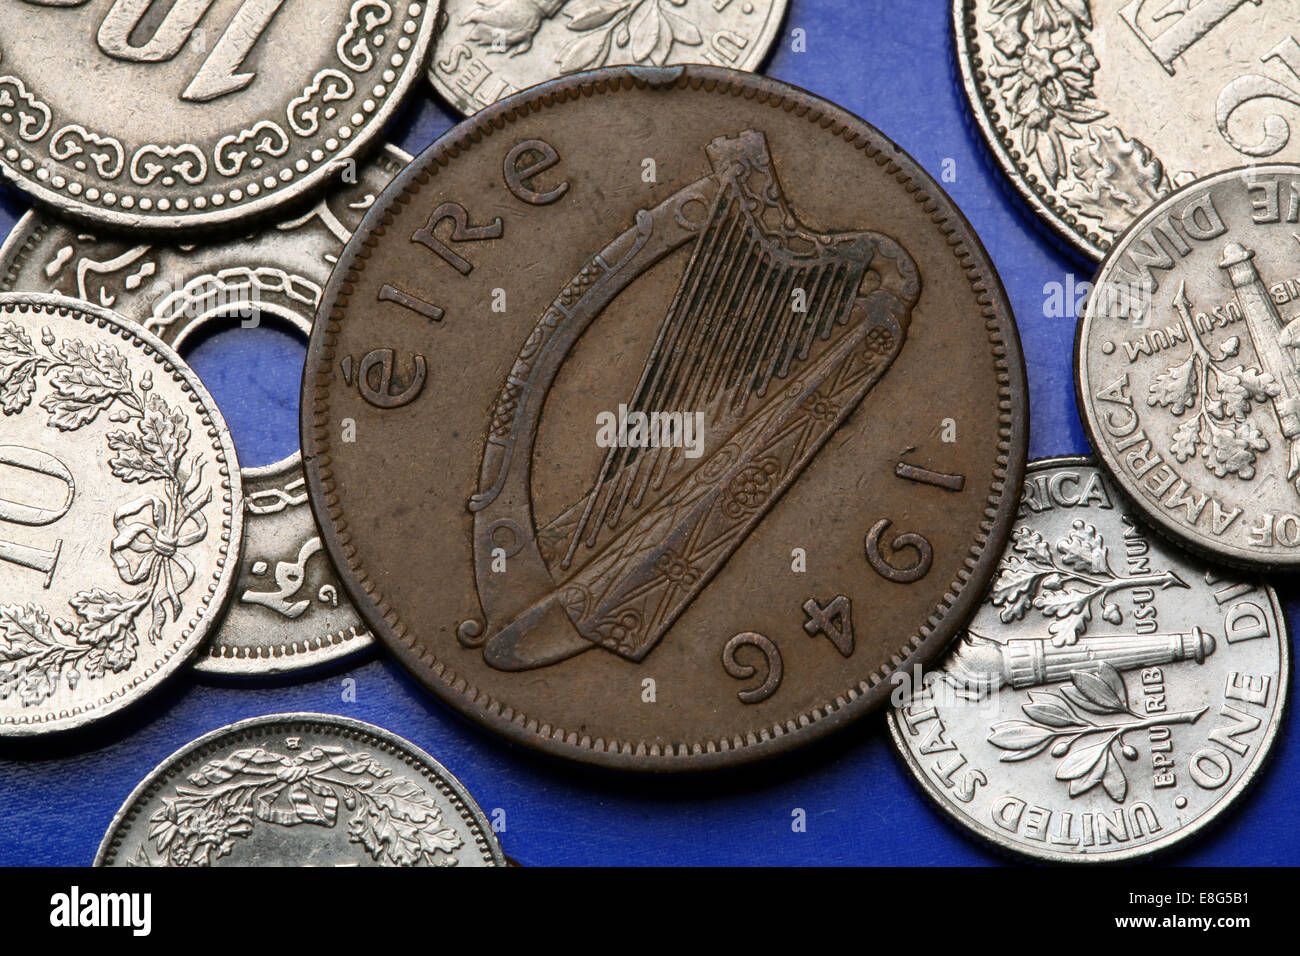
(1111, 697)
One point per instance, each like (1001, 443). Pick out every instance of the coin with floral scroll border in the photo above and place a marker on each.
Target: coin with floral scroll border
(202, 114)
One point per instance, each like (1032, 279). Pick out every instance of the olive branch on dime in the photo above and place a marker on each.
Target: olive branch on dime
(393, 819)
(1060, 721)
(1220, 398)
(1063, 581)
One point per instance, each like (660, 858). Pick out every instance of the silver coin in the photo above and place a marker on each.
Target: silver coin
(289, 611)
(300, 790)
(1110, 698)
(133, 114)
(1096, 109)
(121, 513)
(1186, 368)
(488, 49)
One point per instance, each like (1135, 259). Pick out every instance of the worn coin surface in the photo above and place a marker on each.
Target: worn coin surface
(1185, 366)
(1112, 695)
(653, 419)
(174, 116)
(300, 790)
(488, 49)
(1097, 109)
(121, 513)
(288, 612)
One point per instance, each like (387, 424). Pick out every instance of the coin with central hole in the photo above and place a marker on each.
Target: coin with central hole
(654, 418)
(288, 611)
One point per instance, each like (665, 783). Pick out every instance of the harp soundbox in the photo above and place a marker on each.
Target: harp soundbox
(776, 333)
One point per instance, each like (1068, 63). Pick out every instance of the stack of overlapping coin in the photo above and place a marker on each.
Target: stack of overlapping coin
(757, 297)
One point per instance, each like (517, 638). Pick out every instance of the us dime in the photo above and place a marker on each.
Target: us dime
(668, 472)
(489, 49)
(288, 612)
(120, 513)
(1110, 698)
(300, 790)
(1098, 109)
(195, 113)
(1185, 366)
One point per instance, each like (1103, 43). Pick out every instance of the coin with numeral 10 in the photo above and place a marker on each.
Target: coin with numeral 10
(669, 474)
(1110, 698)
(288, 612)
(121, 513)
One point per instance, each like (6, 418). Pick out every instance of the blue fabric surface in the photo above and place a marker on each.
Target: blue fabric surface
(889, 61)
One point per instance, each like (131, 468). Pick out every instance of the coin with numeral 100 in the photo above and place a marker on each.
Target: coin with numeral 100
(1112, 696)
(663, 475)
(1096, 110)
(197, 113)
(288, 612)
(121, 513)
(300, 790)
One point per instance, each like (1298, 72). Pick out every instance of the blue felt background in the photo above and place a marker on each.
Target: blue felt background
(889, 61)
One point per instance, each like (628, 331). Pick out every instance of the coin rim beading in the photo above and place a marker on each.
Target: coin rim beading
(1062, 221)
(648, 755)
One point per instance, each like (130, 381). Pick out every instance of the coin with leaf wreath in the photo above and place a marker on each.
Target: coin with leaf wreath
(1097, 109)
(300, 790)
(288, 611)
(197, 113)
(488, 49)
(121, 513)
(1112, 696)
(1187, 366)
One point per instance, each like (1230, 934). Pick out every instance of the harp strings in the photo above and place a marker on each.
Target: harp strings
(732, 327)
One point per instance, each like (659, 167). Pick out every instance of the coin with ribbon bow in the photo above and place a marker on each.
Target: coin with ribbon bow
(121, 513)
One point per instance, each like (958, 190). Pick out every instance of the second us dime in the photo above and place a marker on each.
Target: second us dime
(1111, 697)
(654, 419)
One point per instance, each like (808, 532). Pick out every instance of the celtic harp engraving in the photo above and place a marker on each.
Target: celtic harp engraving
(617, 567)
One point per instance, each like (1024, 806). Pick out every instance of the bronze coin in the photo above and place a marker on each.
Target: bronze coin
(654, 418)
